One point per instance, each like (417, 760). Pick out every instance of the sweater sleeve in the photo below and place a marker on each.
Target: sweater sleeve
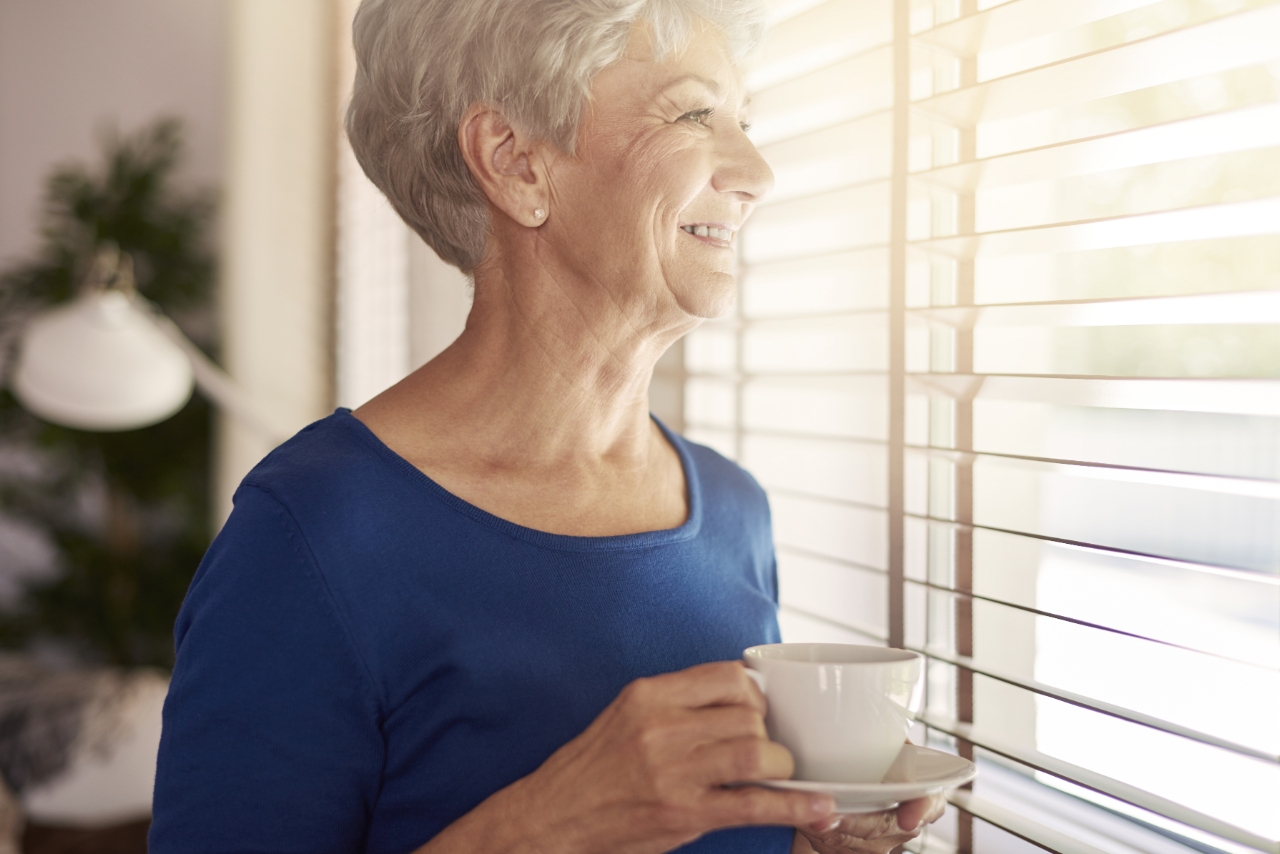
(271, 738)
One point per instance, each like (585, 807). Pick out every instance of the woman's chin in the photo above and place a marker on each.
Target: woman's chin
(712, 298)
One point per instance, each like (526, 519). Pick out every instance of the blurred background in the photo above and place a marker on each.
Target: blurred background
(201, 138)
(113, 128)
(1007, 360)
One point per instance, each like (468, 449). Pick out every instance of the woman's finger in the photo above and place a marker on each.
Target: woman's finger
(912, 814)
(873, 833)
(740, 759)
(720, 683)
(873, 825)
(751, 805)
(718, 723)
(857, 845)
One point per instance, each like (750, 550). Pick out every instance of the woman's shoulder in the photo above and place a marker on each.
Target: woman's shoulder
(721, 479)
(312, 525)
(328, 464)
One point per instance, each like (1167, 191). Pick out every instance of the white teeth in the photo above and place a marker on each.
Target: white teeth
(709, 231)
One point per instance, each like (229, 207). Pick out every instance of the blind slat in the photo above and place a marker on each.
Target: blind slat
(1254, 487)
(787, 492)
(765, 318)
(1020, 826)
(965, 594)
(1020, 20)
(848, 471)
(1231, 219)
(944, 453)
(829, 222)
(1233, 41)
(1100, 706)
(849, 407)
(1100, 783)
(848, 564)
(816, 190)
(1216, 133)
(1192, 518)
(856, 534)
(746, 376)
(1229, 396)
(823, 98)
(833, 590)
(869, 634)
(845, 281)
(817, 440)
(1249, 307)
(820, 36)
(1032, 535)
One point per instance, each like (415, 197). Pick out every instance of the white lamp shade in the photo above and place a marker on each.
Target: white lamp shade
(100, 364)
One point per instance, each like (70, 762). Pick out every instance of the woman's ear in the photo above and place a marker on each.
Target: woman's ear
(506, 163)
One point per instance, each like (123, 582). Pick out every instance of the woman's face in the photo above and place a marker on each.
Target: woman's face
(650, 203)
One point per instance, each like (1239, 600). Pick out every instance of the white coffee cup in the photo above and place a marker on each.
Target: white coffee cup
(842, 710)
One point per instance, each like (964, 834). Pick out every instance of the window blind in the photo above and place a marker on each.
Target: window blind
(372, 315)
(1007, 359)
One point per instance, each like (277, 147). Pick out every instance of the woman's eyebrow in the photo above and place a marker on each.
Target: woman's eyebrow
(710, 84)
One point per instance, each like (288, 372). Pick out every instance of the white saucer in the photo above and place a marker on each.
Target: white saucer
(918, 771)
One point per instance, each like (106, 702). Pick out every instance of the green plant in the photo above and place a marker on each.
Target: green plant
(127, 512)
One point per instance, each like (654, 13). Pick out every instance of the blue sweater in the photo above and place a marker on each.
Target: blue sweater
(363, 657)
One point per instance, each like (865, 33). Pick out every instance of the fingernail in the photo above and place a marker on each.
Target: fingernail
(821, 806)
(826, 826)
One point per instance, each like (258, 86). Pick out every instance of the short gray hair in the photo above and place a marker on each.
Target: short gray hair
(422, 63)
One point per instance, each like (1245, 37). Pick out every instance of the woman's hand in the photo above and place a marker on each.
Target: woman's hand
(647, 776)
(872, 833)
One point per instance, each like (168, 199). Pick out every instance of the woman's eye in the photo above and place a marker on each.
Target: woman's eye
(699, 116)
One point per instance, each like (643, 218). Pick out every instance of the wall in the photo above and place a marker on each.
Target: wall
(277, 247)
(70, 69)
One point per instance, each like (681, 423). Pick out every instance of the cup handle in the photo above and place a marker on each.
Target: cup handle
(756, 677)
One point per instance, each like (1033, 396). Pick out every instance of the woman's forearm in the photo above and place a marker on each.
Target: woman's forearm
(503, 822)
(646, 777)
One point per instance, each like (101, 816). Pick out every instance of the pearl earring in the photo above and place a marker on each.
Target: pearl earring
(539, 213)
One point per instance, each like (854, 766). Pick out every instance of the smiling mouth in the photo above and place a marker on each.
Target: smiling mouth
(711, 234)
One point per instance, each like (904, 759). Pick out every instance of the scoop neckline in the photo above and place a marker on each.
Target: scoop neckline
(564, 542)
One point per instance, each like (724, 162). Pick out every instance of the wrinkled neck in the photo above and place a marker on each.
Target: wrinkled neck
(560, 360)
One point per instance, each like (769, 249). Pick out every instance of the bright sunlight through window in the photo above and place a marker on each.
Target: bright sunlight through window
(1007, 359)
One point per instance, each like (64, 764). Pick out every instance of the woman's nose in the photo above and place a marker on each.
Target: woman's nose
(742, 169)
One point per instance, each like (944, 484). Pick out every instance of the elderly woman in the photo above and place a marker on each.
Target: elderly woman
(499, 607)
